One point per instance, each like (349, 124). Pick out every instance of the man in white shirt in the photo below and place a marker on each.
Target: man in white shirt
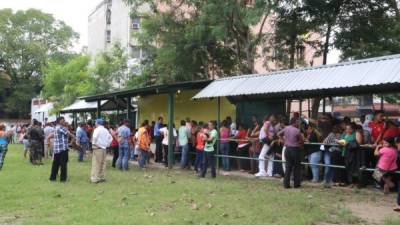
(164, 132)
(101, 141)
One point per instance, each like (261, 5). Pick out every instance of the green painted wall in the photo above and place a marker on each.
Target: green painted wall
(152, 106)
(246, 109)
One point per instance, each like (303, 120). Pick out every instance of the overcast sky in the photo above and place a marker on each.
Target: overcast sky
(73, 12)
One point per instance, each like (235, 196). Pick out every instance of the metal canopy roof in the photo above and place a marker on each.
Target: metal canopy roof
(374, 75)
(83, 106)
(156, 89)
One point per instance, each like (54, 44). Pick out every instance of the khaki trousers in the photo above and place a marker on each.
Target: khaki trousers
(98, 165)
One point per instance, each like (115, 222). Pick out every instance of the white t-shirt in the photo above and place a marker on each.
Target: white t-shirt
(164, 131)
(102, 137)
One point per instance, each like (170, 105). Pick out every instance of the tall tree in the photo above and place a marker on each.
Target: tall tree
(110, 69)
(368, 29)
(189, 39)
(63, 83)
(29, 39)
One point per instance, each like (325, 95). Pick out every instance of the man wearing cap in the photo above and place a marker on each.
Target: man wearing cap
(123, 133)
(60, 150)
(101, 141)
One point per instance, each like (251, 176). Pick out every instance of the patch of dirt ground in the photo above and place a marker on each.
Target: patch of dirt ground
(374, 212)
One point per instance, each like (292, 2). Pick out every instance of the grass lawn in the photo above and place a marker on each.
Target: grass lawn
(159, 197)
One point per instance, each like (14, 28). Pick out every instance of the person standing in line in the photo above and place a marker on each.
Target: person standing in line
(4, 140)
(200, 137)
(293, 139)
(165, 142)
(267, 134)
(209, 150)
(224, 145)
(35, 136)
(60, 150)
(183, 136)
(48, 129)
(101, 141)
(158, 139)
(114, 146)
(377, 127)
(123, 142)
(82, 141)
(144, 141)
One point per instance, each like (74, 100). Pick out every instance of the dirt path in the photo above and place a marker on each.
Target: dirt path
(374, 212)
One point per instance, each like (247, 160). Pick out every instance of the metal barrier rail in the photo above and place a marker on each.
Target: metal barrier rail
(281, 161)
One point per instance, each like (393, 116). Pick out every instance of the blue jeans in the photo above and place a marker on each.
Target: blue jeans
(123, 157)
(328, 176)
(185, 156)
(3, 152)
(224, 150)
(143, 156)
(315, 158)
(198, 164)
(132, 153)
(82, 150)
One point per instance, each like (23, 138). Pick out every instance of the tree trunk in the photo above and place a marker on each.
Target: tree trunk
(292, 51)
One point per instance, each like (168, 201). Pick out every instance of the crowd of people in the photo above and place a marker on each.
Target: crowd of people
(274, 147)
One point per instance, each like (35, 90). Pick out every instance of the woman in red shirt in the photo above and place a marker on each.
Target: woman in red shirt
(243, 145)
(198, 163)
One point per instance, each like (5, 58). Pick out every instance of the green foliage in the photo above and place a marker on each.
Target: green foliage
(194, 40)
(63, 83)
(110, 68)
(28, 40)
(368, 29)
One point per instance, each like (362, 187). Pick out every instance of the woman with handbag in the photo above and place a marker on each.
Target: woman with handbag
(387, 164)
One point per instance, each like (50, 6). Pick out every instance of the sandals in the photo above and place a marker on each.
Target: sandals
(397, 209)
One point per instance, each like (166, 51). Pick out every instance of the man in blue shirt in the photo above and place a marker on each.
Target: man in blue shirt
(82, 141)
(60, 150)
(158, 139)
(123, 133)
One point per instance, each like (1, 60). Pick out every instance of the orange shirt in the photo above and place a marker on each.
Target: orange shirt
(143, 139)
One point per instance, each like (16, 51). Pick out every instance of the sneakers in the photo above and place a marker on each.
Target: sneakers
(260, 174)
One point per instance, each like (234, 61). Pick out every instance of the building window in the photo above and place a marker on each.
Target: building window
(108, 17)
(135, 23)
(108, 36)
(135, 52)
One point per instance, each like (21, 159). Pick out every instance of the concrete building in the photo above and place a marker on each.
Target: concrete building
(110, 22)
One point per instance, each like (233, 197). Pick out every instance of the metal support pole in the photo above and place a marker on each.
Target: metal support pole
(170, 129)
(128, 108)
(323, 105)
(301, 107)
(309, 108)
(74, 120)
(382, 103)
(218, 128)
(98, 108)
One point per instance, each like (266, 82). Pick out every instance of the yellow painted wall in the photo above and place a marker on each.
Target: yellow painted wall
(152, 106)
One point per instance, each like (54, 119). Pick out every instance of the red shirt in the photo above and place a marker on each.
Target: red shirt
(200, 142)
(376, 129)
(391, 132)
(242, 135)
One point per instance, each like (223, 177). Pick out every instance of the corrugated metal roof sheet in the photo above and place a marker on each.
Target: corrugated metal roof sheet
(353, 77)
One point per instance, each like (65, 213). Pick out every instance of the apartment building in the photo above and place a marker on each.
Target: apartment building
(111, 22)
